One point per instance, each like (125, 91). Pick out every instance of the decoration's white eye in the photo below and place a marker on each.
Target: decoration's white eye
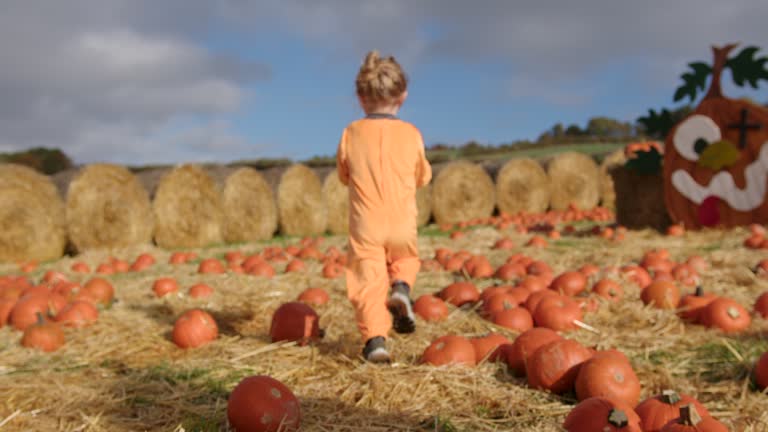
(694, 135)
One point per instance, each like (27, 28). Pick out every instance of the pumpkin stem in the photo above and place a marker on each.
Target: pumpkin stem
(733, 312)
(40, 319)
(670, 397)
(618, 418)
(721, 57)
(689, 416)
(699, 291)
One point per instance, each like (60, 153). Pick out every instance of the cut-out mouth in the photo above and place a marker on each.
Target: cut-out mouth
(723, 186)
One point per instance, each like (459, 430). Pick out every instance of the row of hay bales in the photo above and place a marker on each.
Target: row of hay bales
(108, 206)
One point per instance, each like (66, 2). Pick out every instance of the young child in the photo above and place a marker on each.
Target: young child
(381, 159)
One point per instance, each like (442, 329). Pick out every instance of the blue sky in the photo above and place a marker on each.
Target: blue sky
(172, 81)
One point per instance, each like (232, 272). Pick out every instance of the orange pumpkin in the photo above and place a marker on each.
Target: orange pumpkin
(691, 305)
(430, 308)
(263, 404)
(460, 293)
(661, 294)
(194, 328)
(164, 286)
(608, 289)
(519, 354)
(45, 336)
(609, 376)
(558, 313)
(761, 305)
(100, 290)
(598, 414)
(78, 314)
(569, 283)
(450, 349)
(555, 366)
(658, 410)
(295, 321)
(516, 319)
(314, 296)
(691, 420)
(489, 347)
(200, 290)
(715, 160)
(726, 314)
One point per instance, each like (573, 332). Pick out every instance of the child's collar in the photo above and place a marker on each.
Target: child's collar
(381, 116)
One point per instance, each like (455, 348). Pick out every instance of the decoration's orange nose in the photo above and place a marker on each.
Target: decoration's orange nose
(719, 155)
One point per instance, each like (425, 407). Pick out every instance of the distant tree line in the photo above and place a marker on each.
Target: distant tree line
(45, 160)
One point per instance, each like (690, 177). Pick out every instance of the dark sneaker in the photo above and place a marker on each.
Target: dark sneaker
(399, 305)
(375, 350)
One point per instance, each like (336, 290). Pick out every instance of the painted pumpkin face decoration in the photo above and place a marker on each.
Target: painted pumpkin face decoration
(716, 161)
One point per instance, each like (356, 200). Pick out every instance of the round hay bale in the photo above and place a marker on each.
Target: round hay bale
(607, 188)
(424, 205)
(573, 179)
(336, 196)
(462, 191)
(107, 207)
(301, 208)
(188, 209)
(522, 185)
(250, 210)
(32, 226)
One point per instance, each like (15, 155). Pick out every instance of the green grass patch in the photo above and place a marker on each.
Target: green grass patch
(201, 424)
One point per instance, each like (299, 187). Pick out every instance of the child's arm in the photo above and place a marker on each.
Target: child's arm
(341, 160)
(423, 168)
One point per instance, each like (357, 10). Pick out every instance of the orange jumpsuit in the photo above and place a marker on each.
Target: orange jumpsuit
(382, 161)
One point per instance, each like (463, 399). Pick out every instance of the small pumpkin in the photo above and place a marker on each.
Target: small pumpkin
(177, 258)
(80, 267)
(26, 310)
(661, 294)
(42, 335)
(460, 293)
(509, 271)
(295, 265)
(78, 314)
(450, 349)
(608, 376)
(164, 286)
(686, 275)
(5, 311)
(516, 319)
(533, 301)
(200, 291)
(558, 313)
(569, 283)
(519, 293)
(691, 305)
(314, 296)
(262, 268)
(761, 305)
(498, 302)
(726, 314)
(698, 263)
(263, 404)
(504, 243)
(656, 411)
(555, 366)
(597, 414)
(211, 265)
(489, 347)
(194, 328)
(100, 290)
(430, 308)
(295, 321)
(637, 275)
(608, 289)
(690, 420)
(533, 283)
(333, 270)
(760, 372)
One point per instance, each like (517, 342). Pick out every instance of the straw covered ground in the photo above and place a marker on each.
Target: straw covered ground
(124, 374)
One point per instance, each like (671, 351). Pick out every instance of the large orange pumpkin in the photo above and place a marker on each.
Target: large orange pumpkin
(295, 321)
(715, 163)
(263, 404)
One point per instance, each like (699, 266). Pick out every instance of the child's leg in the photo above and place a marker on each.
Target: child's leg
(367, 288)
(402, 266)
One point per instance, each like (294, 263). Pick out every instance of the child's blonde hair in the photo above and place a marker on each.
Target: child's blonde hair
(380, 80)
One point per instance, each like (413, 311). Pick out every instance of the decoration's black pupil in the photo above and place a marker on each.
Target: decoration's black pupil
(700, 145)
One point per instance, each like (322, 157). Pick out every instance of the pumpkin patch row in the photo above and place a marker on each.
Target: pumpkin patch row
(40, 310)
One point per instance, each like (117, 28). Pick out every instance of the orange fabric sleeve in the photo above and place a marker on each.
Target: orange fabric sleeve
(423, 168)
(342, 164)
